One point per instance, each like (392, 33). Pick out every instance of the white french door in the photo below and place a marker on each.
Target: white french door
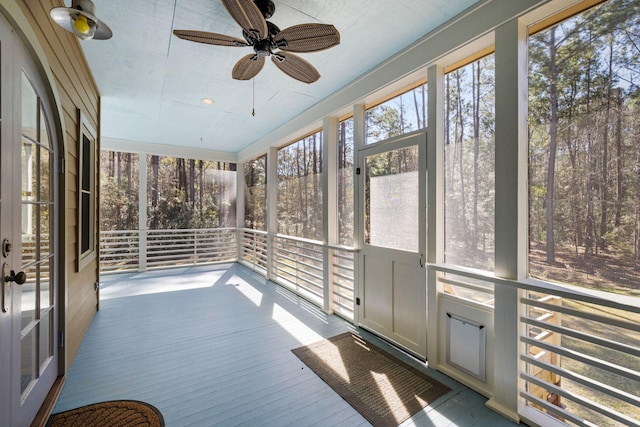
(28, 294)
(393, 294)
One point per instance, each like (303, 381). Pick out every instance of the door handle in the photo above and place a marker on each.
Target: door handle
(19, 278)
(421, 260)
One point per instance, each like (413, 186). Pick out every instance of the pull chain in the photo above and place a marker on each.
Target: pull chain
(253, 110)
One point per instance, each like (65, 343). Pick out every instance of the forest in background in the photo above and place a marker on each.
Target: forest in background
(181, 193)
(584, 149)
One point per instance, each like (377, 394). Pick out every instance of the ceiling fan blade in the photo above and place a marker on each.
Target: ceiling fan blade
(209, 38)
(307, 38)
(248, 67)
(248, 16)
(296, 67)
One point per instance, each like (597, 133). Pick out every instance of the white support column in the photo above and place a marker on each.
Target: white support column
(272, 205)
(359, 135)
(511, 212)
(329, 203)
(240, 207)
(142, 211)
(435, 201)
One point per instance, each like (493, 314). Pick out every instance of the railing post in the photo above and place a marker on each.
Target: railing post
(272, 206)
(329, 206)
(511, 213)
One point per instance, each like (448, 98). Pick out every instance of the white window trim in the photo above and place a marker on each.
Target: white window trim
(86, 130)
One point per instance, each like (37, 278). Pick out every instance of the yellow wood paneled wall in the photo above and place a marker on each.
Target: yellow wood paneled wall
(76, 89)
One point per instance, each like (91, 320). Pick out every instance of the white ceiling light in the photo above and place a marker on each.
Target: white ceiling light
(207, 101)
(80, 19)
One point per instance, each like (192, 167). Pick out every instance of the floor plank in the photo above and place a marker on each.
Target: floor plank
(211, 346)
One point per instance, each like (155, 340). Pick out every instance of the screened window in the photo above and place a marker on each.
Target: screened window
(189, 193)
(469, 165)
(345, 182)
(584, 150)
(255, 194)
(402, 114)
(300, 188)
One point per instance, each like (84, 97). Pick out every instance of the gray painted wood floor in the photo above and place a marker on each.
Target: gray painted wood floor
(210, 346)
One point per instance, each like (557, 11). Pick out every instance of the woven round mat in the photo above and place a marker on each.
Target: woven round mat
(117, 413)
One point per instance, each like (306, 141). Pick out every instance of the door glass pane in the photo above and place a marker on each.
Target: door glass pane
(45, 286)
(43, 232)
(45, 347)
(44, 169)
(391, 199)
(28, 365)
(29, 110)
(28, 298)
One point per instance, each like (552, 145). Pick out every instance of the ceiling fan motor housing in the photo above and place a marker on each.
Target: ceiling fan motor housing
(266, 7)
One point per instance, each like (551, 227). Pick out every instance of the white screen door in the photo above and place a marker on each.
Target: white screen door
(28, 312)
(393, 296)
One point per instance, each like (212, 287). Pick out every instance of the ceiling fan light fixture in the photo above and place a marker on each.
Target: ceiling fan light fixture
(80, 20)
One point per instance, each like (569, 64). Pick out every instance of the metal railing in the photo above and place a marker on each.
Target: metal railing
(120, 250)
(581, 349)
(253, 250)
(298, 265)
(583, 355)
(342, 273)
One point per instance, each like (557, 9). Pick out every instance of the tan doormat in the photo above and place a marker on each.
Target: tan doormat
(116, 413)
(383, 388)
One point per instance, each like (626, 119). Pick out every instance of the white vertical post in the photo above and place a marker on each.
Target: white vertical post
(330, 203)
(359, 135)
(272, 206)
(142, 211)
(511, 212)
(240, 208)
(435, 201)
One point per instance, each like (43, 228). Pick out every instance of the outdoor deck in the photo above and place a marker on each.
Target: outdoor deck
(211, 346)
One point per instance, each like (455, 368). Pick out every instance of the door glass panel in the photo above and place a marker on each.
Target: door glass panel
(45, 347)
(392, 199)
(45, 287)
(43, 163)
(28, 298)
(29, 110)
(28, 365)
(43, 232)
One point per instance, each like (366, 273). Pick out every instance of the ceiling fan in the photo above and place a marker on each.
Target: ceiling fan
(267, 40)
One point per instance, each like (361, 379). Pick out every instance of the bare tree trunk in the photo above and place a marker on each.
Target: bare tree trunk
(460, 146)
(604, 181)
(590, 239)
(553, 134)
(201, 190)
(476, 150)
(619, 162)
(192, 182)
(155, 166)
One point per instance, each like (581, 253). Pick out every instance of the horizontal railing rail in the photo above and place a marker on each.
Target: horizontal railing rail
(298, 264)
(581, 348)
(120, 250)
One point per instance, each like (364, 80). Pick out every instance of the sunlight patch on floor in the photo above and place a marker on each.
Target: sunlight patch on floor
(304, 334)
(251, 293)
(129, 285)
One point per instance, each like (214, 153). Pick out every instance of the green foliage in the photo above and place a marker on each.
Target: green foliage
(584, 135)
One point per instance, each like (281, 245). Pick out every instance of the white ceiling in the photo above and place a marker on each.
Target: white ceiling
(152, 83)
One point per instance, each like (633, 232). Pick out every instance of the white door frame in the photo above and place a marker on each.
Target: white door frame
(390, 264)
(18, 408)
